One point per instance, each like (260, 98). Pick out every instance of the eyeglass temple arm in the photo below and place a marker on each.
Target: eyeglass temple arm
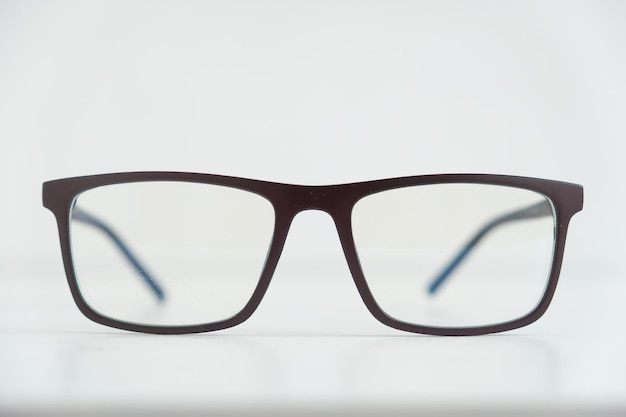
(543, 208)
(81, 215)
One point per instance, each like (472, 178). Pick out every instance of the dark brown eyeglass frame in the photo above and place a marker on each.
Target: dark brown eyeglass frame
(336, 200)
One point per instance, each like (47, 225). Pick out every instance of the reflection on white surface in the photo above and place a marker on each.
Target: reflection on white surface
(99, 368)
(310, 344)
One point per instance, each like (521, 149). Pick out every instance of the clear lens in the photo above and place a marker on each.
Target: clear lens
(455, 255)
(169, 253)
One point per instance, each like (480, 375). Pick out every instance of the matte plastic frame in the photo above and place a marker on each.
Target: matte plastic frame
(336, 200)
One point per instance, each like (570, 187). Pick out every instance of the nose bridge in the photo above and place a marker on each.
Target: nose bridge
(311, 197)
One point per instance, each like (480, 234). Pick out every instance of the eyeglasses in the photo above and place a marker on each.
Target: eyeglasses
(455, 254)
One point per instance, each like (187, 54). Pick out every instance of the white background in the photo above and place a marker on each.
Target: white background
(313, 92)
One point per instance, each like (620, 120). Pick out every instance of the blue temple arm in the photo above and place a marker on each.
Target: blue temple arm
(541, 209)
(80, 215)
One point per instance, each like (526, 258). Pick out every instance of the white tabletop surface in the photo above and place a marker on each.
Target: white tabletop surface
(311, 347)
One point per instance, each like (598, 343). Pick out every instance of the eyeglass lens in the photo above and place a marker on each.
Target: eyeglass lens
(170, 253)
